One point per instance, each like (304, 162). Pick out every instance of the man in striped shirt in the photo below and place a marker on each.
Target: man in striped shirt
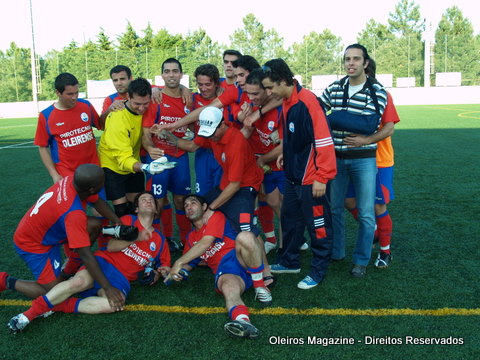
(309, 163)
(356, 97)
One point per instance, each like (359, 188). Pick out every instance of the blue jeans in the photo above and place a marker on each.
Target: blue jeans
(362, 174)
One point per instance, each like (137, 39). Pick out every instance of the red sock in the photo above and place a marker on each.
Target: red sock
(354, 213)
(39, 306)
(384, 231)
(167, 221)
(73, 262)
(68, 306)
(257, 276)
(266, 215)
(239, 312)
(184, 225)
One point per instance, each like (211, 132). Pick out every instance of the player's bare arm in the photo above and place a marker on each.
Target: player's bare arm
(148, 144)
(46, 158)
(270, 105)
(195, 251)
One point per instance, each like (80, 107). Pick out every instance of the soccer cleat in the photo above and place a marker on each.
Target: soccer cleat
(307, 283)
(383, 260)
(3, 281)
(280, 269)
(304, 246)
(358, 271)
(263, 295)
(269, 246)
(18, 323)
(45, 315)
(241, 329)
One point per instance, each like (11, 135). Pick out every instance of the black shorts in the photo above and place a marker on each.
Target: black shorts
(118, 185)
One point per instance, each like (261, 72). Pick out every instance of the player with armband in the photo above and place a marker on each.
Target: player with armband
(121, 263)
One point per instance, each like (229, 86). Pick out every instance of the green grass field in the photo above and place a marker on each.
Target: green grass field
(431, 289)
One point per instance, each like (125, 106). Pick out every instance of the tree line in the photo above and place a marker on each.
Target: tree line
(397, 46)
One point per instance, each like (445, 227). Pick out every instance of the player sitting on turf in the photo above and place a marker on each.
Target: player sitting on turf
(121, 263)
(236, 261)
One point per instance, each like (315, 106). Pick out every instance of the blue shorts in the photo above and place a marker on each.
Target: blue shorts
(231, 265)
(176, 180)
(384, 186)
(239, 209)
(115, 277)
(45, 267)
(208, 171)
(275, 179)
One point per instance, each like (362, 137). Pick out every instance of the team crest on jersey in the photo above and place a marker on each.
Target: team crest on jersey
(271, 125)
(224, 158)
(291, 127)
(186, 110)
(153, 247)
(84, 117)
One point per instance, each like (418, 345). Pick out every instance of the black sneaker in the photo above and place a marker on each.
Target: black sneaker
(241, 329)
(383, 260)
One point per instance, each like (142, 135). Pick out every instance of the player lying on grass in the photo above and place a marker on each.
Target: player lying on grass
(236, 261)
(121, 262)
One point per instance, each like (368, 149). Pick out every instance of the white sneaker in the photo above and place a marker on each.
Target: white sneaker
(263, 295)
(269, 246)
(304, 246)
(18, 323)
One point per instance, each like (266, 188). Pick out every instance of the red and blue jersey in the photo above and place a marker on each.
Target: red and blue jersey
(57, 216)
(69, 135)
(232, 99)
(236, 157)
(133, 259)
(169, 111)
(218, 227)
(260, 139)
(110, 99)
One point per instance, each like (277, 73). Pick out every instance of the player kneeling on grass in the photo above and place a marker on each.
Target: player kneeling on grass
(121, 262)
(235, 259)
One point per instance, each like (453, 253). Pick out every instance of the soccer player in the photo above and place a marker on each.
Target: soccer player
(384, 182)
(232, 99)
(121, 76)
(240, 182)
(236, 261)
(170, 110)
(354, 99)
(58, 216)
(122, 262)
(309, 163)
(267, 149)
(64, 133)
(208, 171)
(229, 56)
(119, 149)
